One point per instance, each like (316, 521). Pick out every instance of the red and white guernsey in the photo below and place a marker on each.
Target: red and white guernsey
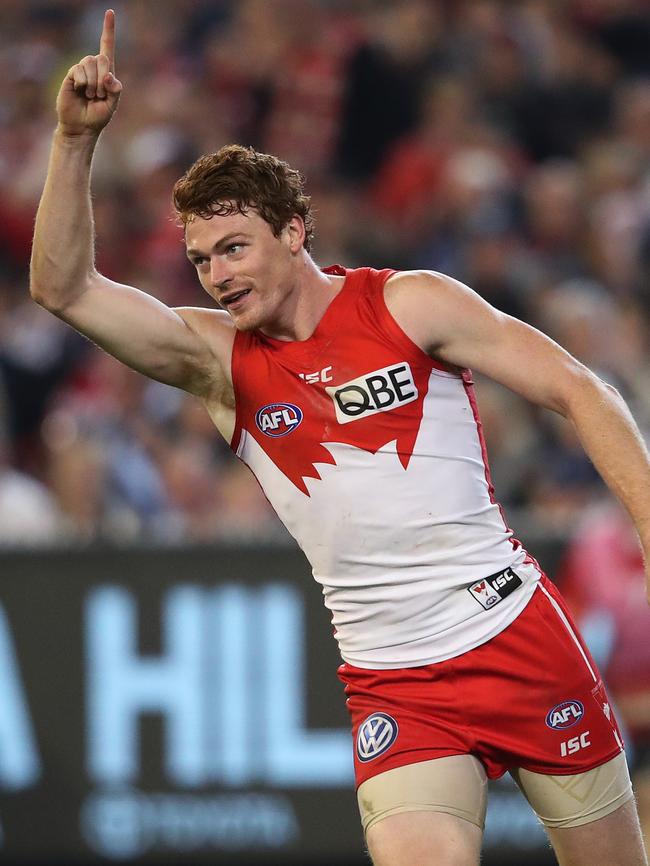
(372, 455)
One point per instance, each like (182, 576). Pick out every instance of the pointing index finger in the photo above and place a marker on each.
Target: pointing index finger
(107, 40)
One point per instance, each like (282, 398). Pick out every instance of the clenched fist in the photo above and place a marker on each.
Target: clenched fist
(90, 91)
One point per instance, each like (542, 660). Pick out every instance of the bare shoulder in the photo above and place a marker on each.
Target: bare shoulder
(405, 280)
(409, 287)
(427, 305)
(455, 325)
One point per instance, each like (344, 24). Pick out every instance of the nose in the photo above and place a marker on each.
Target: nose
(220, 274)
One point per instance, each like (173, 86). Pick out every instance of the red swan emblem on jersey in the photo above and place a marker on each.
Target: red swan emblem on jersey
(367, 412)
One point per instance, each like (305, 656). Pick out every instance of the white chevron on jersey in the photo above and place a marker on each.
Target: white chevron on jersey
(396, 549)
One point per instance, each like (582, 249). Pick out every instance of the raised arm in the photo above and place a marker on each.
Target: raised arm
(179, 347)
(452, 323)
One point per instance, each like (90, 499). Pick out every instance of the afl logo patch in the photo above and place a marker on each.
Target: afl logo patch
(565, 715)
(278, 419)
(376, 734)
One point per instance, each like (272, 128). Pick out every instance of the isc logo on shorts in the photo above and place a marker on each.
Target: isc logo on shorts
(565, 715)
(278, 419)
(376, 734)
(379, 391)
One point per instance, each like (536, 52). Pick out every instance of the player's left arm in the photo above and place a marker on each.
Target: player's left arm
(455, 325)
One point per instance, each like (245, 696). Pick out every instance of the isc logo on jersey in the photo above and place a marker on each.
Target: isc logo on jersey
(379, 391)
(493, 589)
(565, 715)
(278, 419)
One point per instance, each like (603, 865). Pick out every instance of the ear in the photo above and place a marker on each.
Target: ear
(295, 229)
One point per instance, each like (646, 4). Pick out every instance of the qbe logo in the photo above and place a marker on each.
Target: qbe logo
(376, 734)
(379, 391)
(565, 715)
(278, 419)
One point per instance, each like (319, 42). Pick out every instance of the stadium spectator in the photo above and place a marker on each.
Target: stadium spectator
(512, 153)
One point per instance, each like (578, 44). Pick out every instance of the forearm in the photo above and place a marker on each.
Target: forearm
(63, 248)
(614, 444)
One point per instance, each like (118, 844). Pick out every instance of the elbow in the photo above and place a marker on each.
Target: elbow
(38, 293)
(44, 292)
(45, 298)
(602, 388)
(55, 283)
(587, 388)
(54, 296)
(611, 390)
(40, 288)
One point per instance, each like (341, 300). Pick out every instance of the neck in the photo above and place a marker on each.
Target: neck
(305, 306)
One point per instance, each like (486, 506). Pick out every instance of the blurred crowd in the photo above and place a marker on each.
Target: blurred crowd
(504, 143)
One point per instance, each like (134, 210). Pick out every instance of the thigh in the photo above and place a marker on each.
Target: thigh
(614, 840)
(572, 800)
(430, 809)
(587, 812)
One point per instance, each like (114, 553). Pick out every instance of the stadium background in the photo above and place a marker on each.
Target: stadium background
(505, 143)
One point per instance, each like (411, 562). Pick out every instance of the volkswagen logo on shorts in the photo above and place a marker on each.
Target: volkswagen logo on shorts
(376, 734)
(565, 715)
(278, 419)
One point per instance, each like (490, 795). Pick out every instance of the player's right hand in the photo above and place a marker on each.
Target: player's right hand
(90, 91)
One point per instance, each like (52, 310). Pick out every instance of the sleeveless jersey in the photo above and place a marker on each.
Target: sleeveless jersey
(372, 455)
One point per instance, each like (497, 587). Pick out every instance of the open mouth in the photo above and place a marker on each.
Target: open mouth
(232, 298)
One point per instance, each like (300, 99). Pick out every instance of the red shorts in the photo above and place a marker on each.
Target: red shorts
(531, 697)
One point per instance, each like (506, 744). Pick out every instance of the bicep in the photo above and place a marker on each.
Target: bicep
(518, 356)
(455, 325)
(140, 331)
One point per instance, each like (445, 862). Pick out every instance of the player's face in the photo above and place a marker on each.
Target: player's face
(245, 268)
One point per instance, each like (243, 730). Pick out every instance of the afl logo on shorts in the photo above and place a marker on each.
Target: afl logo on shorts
(565, 715)
(278, 419)
(376, 734)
